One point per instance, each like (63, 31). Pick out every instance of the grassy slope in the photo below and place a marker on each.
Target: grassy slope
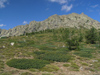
(26, 46)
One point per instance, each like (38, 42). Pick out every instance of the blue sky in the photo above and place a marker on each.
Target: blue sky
(21, 12)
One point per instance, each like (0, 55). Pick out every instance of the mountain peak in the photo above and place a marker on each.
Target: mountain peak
(82, 13)
(53, 22)
(55, 15)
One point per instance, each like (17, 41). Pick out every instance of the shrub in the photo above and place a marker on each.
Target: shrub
(55, 56)
(73, 44)
(84, 54)
(27, 63)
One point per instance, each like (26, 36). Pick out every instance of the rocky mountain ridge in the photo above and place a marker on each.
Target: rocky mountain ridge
(55, 21)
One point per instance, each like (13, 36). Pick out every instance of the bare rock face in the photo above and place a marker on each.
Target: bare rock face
(55, 21)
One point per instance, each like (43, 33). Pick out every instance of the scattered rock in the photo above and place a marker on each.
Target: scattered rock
(94, 60)
(63, 45)
(81, 68)
(12, 44)
(89, 71)
(3, 46)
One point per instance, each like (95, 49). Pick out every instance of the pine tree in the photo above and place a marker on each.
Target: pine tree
(91, 36)
(98, 39)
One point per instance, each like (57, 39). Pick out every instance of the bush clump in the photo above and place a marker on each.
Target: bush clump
(84, 54)
(73, 44)
(55, 56)
(27, 63)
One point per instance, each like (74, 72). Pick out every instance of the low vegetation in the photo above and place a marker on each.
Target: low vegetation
(75, 67)
(1, 65)
(35, 52)
(55, 56)
(50, 68)
(66, 65)
(26, 73)
(27, 63)
(47, 74)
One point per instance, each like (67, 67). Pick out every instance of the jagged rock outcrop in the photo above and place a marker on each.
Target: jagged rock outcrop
(55, 21)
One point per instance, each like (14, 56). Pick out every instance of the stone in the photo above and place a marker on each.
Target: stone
(3, 46)
(63, 45)
(81, 68)
(94, 60)
(12, 43)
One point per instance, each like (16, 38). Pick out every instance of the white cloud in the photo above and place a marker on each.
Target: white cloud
(1, 25)
(64, 4)
(59, 1)
(25, 22)
(94, 6)
(67, 8)
(2, 3)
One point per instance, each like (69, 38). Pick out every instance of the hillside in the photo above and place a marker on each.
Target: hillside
(53, 22)
(62, 51)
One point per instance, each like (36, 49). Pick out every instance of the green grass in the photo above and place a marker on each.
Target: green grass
(33, 70)
(5, 74)
(85, 64)
(47, 74)
(39, 52)
(50, 68)
(47, 48)
(25, 43)
(74, 67)
(66, 65)
(27, 73)
(96, 66)
(99, 51)
(1, 65)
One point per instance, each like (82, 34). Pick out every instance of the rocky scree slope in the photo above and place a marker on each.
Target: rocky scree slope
(55, 21)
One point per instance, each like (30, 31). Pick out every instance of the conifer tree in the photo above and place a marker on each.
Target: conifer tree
(91, 36)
